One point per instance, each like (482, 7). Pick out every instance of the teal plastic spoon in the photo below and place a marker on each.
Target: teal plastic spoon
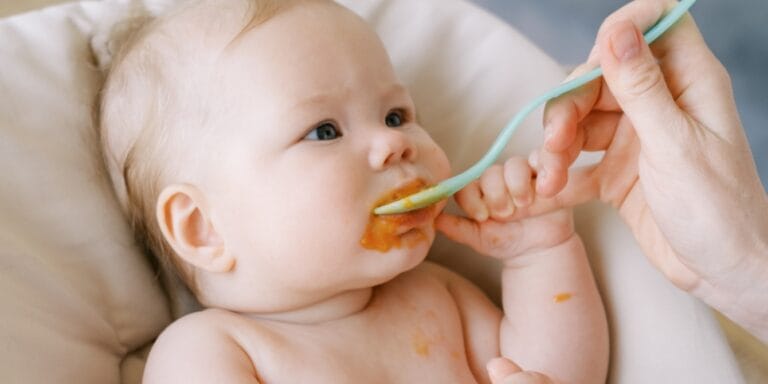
(448, 187)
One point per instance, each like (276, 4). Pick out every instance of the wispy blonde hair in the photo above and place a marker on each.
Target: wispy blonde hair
(152, 97)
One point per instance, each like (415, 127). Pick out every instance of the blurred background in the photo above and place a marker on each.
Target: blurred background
(736, 31)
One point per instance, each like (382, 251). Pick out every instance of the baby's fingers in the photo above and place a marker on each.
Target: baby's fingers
(518, 177)
(495, 193)
(504, 371)
(470, 200)
(492, 238)
(528, 377)
(500, 368)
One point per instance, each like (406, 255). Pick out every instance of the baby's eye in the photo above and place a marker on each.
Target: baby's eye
(394, 119)
(324, 131)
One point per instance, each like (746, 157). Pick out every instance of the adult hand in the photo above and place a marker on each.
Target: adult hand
(504, 371)
(677, 165)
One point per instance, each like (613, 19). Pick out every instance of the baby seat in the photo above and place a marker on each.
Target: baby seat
(81, 303)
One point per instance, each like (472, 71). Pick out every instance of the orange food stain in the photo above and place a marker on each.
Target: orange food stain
(420, 344)
(421, 348)
(563, 297)
(381, 233)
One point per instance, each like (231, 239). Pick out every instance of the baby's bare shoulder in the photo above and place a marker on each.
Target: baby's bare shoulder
(200, 347)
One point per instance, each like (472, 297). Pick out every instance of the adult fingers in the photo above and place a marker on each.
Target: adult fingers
(682, 44)
(564, 133)
(636, 80)
(599, 129)
(563, 113)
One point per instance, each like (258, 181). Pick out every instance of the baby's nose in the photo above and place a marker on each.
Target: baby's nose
(390, 147)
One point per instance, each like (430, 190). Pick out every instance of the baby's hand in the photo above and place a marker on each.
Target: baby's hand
(492, 203)
(503, 371)
(499, 191)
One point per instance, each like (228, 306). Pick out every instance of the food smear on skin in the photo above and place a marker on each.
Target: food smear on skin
(563, 297)
(420, 343)
(382, 231)
(421, 347)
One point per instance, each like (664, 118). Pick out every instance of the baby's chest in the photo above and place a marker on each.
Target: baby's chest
(411, 333)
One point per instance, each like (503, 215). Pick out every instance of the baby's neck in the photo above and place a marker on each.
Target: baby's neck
(334, 308)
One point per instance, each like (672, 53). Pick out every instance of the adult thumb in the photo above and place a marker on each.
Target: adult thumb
(636, 81)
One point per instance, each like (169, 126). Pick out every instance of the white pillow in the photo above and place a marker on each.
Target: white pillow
(81, 304)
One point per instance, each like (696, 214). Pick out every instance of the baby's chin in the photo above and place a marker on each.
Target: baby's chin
(413, 250)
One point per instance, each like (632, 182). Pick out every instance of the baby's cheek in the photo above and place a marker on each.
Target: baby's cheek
(439, 163)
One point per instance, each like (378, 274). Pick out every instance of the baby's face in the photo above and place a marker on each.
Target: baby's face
(318, 129)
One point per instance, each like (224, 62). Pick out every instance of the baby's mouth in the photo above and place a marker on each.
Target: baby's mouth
(384, 231)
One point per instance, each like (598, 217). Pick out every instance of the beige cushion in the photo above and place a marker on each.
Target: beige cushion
(81, 304)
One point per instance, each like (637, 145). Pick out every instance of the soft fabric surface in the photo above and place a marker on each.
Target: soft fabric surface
(81, 304)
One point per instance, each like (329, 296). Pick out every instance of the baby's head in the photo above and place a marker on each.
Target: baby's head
(248, 142)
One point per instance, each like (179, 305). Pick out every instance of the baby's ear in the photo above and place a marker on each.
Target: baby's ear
(184, 221)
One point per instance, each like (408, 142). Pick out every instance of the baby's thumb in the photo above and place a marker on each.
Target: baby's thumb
(459, 229)
(499, 368)
(636, 81)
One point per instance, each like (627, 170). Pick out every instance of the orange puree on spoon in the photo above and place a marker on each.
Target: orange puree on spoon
(385, 232)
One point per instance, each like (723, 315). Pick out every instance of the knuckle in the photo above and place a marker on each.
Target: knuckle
(643, 79)
(489, 176)
(721, 75)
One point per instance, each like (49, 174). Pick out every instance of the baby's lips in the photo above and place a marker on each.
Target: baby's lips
(409, 220)
(384, 232)
(414, 219)
(403, 190)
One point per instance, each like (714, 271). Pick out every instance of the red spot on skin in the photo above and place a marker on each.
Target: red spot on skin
(385, 232)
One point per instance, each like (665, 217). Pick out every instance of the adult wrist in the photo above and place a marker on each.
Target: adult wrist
(742, 294)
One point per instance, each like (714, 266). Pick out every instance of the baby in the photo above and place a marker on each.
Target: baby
(249, 141)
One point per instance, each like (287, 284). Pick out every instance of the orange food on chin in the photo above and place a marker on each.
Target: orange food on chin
(384, 232)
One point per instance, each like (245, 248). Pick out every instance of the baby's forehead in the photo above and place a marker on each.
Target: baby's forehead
(208, 32)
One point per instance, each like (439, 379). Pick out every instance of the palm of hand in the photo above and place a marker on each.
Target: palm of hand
(622, 179)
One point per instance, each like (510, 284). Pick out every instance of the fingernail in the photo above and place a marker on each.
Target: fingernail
(508, 211)
(533, 159)
(523, 202)
(548, 134)
(540, 178)
(495, 369)
(499, 368)
(624, 41)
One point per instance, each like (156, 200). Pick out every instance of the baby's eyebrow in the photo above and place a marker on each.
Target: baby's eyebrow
(397, 90)
(394, 91)
(316, 99)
